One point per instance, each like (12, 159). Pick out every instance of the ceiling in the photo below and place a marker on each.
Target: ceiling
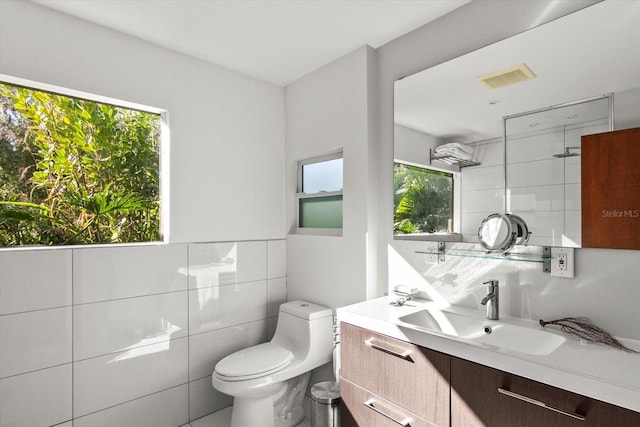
(588, 53)
(276, 41)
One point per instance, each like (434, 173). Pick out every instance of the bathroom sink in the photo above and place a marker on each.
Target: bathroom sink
(488, 333)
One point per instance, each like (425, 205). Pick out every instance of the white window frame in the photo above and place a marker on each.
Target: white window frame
(301, 195)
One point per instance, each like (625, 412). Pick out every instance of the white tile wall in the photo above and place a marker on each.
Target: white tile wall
(106, 273)
(167, 408)
(109, 380)
(111, 326)
(276, 295)
(219, 307)
(276, 258)
(546, 190)
(39, 398)
(34, 340)
(204, 399)
(214, 264)
(129, 335)
(34, 280)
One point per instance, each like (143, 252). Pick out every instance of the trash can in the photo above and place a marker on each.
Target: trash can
(325, 404)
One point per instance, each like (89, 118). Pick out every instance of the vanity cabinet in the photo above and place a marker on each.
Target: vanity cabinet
(482, 396)
(387, 379)
(387, 382)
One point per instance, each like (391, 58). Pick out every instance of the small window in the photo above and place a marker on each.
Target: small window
(319, 194)
(76, 171)
(423, 200)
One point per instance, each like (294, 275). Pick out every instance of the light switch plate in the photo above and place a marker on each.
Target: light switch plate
(562, 262)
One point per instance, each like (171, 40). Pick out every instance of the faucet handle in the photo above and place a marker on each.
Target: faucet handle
(492, 284)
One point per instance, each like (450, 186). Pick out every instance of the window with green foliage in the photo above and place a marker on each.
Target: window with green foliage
(423, 200)
(75, 171)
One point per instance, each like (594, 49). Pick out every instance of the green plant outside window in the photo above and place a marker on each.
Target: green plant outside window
(74, 171)
(423, 200)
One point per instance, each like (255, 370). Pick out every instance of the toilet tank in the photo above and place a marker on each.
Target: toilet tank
(306, 329)
(305, 310)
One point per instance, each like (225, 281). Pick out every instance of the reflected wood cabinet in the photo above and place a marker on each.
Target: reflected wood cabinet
(388, 383)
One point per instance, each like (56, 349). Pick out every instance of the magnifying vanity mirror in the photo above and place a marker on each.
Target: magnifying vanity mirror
(503, 125)
(496, 233)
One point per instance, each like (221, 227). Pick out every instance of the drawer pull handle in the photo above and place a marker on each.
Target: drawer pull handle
(371, 404)
(541, 404)
(405, 355)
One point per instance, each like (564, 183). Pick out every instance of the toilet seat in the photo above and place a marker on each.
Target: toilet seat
(253, 362)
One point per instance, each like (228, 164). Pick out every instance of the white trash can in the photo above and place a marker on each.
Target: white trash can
(325, 404)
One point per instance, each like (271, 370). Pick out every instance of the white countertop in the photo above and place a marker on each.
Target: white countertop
(593, 370)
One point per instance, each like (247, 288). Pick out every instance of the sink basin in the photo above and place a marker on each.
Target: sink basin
(489, 333)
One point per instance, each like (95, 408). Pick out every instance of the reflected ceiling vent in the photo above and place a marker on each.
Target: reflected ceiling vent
(508, 76)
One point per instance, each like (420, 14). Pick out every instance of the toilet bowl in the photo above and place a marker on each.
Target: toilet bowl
(268, 381)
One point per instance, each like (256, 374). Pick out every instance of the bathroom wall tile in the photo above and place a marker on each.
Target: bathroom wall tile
(482, 201)
(276, 258)
(212, 264)
(573, 197)
(489, 152)
(482, 178)
(112, 326)
(529, 174)
(222, 306)
(207, 349)
(39, 398)
(252, 261)
(535, 146)
(168, 408)
(272, 322)
(23, 287)
(276, 295)
(110, 380)
(204, 399)
(115, 272)
(572, 170)
(540, 198)
(34, 340)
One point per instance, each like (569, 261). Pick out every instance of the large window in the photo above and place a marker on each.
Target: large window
(423, 200)
(76, 171)
(319, 195)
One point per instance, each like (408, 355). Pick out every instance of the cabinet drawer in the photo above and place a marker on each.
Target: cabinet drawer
(413, 377)
(361, 408)
(482, 396)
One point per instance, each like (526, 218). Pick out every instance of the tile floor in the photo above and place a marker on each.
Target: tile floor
(223, 419)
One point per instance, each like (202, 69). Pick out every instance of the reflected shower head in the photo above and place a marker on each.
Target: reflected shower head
(568, 153)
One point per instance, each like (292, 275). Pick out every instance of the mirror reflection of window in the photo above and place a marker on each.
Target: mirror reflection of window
(423, 200)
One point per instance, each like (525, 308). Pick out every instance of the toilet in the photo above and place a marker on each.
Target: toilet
(268, 381)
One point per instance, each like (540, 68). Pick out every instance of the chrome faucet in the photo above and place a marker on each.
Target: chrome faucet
(491, 300)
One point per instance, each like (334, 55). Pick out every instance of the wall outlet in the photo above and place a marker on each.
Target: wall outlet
(562, 262)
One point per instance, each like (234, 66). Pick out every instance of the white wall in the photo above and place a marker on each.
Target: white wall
(605, 287)
(129, 335)
(227, 130)
(328, 109)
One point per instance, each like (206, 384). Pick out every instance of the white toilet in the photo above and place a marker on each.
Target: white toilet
(268, 381)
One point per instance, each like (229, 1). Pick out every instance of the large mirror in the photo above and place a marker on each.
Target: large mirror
(498, 130)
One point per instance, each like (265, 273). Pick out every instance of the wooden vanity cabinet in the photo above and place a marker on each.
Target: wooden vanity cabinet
(482, 396)
(387, 382)
(385, 379)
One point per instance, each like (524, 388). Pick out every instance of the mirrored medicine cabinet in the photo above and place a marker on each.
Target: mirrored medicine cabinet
(518, 110)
